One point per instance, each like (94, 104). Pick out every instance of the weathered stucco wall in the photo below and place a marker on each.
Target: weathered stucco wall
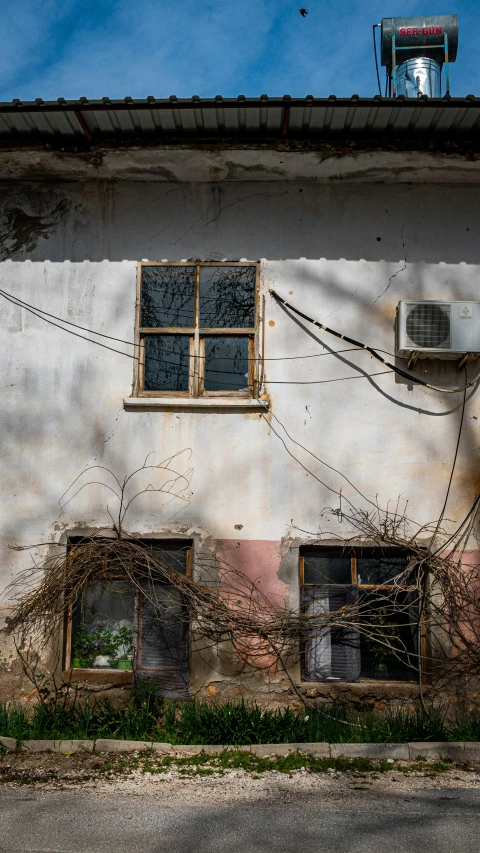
(344, 253)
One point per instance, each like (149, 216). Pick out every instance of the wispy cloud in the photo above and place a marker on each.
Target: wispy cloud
(69, 48)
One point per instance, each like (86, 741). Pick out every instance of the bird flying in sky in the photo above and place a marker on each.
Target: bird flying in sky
(303, 12)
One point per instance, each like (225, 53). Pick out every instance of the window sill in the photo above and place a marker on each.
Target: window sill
(98, 676)
(195, 403)
(363, 688)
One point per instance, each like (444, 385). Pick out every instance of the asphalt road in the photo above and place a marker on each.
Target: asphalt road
(432, 821)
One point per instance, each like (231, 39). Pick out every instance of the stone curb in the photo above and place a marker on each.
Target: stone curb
(469, 751)
(263, 750)
(57, 746)
(399, 751)
(106, 745)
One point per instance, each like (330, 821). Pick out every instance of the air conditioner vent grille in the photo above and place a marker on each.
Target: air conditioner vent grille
(428, 326)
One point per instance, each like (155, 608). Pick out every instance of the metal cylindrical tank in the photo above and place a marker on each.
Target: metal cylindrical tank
(420, 76)
(415, 33)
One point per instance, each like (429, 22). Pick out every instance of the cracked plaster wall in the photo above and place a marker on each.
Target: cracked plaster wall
(345, 254)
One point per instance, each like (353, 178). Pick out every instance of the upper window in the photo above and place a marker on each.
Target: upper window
(197, 329)
(380, 637)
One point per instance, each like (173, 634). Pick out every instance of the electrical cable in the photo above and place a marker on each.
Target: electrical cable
(469, 518)
(12, 298)
(28, 306)
(163, 361)
(372, 351)
(440, 519)
(296, 459)
(324, 381)
(374, 26)
(322, 462)
(357, 345)
(83, 338)
(152, 358)
(441, 516)
(32, 311)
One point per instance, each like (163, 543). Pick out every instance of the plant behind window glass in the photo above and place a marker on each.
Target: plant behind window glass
(93, 639)
(380, 644)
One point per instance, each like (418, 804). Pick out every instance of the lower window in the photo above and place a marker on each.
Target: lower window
(361, 615)
(120, 625)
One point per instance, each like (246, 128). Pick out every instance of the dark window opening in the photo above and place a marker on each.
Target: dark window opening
(380, 637)
(167, 297)
(167, 363)
(391, 621)
(120, 625)
(226, 364)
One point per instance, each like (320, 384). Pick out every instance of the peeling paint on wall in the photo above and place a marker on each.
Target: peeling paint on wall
(21, 231)
(63, 397)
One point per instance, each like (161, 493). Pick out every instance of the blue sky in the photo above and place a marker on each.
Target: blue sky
(70, 48)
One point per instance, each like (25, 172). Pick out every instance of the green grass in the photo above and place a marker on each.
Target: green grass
(204, 764)
(360, 770)
(148, 718)
(148, 762)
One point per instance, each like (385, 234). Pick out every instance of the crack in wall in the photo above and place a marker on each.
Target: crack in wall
(104, 441)
(404, 267)
(222, 209)
(341, 306)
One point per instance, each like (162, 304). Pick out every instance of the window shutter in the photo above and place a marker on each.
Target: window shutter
(331, 653)
(163, 650)
(413, 599)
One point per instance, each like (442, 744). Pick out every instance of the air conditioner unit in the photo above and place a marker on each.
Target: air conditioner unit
(437, 329)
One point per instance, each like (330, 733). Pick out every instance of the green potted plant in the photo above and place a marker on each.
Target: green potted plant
(79, 662)
(84, 647)
(125, 636)
(98, 646)
(108, 644)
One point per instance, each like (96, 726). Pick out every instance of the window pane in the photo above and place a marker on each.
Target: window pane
(102, 631)
(322, 568)
(164, 628)
(173, 556)
(166, 362)
(381, 569)
(389, 639)
(168, 297)
(226, 364)
(331, 653)
(227, 297)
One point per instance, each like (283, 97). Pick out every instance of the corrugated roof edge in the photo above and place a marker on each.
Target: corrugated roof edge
(105, 120)
(195, 102)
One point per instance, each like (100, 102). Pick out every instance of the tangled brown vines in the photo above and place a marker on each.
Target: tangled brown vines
(436, 595)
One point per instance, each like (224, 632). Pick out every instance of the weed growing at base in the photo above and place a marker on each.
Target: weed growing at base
(149, 718)
(205, 764)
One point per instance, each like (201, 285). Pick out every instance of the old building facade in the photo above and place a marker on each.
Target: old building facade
(162, 232)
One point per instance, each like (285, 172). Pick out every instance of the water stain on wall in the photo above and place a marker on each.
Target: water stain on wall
(20, 231)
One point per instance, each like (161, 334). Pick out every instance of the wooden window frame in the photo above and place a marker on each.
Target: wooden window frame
(115, 676)
(353, 564)
(197, 336)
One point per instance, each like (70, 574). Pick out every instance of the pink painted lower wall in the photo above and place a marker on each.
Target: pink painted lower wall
(259, 560)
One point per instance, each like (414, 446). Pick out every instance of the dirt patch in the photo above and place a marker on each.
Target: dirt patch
(216, 779)
(24, 768)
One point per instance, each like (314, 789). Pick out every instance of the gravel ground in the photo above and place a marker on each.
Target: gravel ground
(52, 803)
(238, 785)
(91, 773)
